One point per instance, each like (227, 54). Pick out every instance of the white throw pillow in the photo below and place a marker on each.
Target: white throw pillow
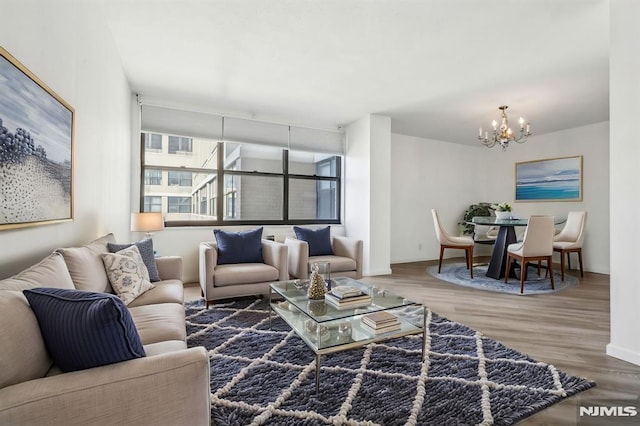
(127, 273)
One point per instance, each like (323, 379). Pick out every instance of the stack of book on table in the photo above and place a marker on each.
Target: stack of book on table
(347, 297)
(380, 322)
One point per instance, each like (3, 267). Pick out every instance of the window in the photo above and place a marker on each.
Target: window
(179, 204)
(152, 204)
(152, 177)
(179, 144)
(153, 141)
(241, 183)
(180, 178)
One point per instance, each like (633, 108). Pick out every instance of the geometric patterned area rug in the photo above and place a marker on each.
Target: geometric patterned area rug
(457, 273)
(267, 377)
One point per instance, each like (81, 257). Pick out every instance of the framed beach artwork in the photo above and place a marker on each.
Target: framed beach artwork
(553, 179)
(36, 149)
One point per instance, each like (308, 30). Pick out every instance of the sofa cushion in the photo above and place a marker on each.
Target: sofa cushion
(127, 274)
(49, 272)
(146, 251)
(85, 265)
(239, 247)
(24, 354)
(84, 329)
(338, 263)
(160, 348)
(245, 273)
(161, 322)
(167, 291)
(319, 240)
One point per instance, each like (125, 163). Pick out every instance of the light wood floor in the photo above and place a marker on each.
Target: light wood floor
(569, 329)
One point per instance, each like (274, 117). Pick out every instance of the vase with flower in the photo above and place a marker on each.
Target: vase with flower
(502, 210)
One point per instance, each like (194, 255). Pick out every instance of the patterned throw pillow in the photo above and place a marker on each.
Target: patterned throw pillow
(83, 329)
(145, 247)
(127, 273)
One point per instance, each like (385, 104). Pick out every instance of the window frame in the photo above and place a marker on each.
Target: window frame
(220, 199)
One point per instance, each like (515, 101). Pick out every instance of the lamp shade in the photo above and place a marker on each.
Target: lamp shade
(147, 222)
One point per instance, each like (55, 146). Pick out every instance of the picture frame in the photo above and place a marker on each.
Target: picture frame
(551, 179)
(36, 149)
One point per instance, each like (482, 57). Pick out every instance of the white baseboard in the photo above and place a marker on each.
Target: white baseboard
(623, 354)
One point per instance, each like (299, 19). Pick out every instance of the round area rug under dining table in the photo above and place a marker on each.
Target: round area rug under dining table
(457, 273)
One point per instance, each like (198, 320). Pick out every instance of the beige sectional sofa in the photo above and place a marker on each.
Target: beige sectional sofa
(169, 386)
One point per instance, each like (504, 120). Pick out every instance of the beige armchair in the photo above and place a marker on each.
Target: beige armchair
(346, 260)
(241, 279)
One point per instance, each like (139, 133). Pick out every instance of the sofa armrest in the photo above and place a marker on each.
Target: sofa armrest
(351, 248)
(170, 267)
(298, 257)
(276, 255)
(168, 389)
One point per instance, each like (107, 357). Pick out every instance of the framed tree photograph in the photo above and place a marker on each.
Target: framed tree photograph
(36, 149)
(553, 179)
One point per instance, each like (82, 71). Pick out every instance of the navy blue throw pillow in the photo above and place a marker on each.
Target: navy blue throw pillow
(239, 247)
(83, 329)
(319, 240)
(145, 247)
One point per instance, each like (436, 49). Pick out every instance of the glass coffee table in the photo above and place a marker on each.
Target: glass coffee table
(326, 329)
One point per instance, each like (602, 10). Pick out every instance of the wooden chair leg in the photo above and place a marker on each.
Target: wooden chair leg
(466, 257)
(562, 265)
(470, 261)
(440, 262)
(506, 273)
(569, 260)
(539, 263)
(580, 261)
(550, 267)
(522, 274)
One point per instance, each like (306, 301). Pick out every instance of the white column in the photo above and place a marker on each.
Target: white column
(367, 176)
(624, 68)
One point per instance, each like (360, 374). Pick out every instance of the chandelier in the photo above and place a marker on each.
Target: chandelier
(503, 135)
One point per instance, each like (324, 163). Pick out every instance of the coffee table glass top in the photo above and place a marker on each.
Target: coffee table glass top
(295, 293)
(326, 329)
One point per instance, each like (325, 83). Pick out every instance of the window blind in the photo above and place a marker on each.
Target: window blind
(210, 126)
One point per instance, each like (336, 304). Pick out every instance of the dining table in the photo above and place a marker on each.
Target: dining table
(506, 235)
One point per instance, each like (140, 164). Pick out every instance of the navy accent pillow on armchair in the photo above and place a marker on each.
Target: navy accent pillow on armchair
(319, 240)
(239, 247)
(83, 329)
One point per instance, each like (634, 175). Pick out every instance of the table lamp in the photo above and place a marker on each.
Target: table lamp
(147, 222)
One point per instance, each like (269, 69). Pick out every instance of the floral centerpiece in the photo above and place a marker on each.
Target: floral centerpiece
(503, 210)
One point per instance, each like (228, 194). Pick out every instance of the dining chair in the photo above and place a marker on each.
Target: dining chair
(447, 241)
(571, 239)
(536, 245)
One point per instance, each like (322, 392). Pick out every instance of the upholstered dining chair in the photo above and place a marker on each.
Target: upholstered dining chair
(536, 245)
(450, 242)
(571, 239)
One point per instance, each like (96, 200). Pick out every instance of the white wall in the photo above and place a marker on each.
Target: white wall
(624, 68)
(430, 174)
(68, 46)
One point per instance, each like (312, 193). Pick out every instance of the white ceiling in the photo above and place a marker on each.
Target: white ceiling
(438, 68)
